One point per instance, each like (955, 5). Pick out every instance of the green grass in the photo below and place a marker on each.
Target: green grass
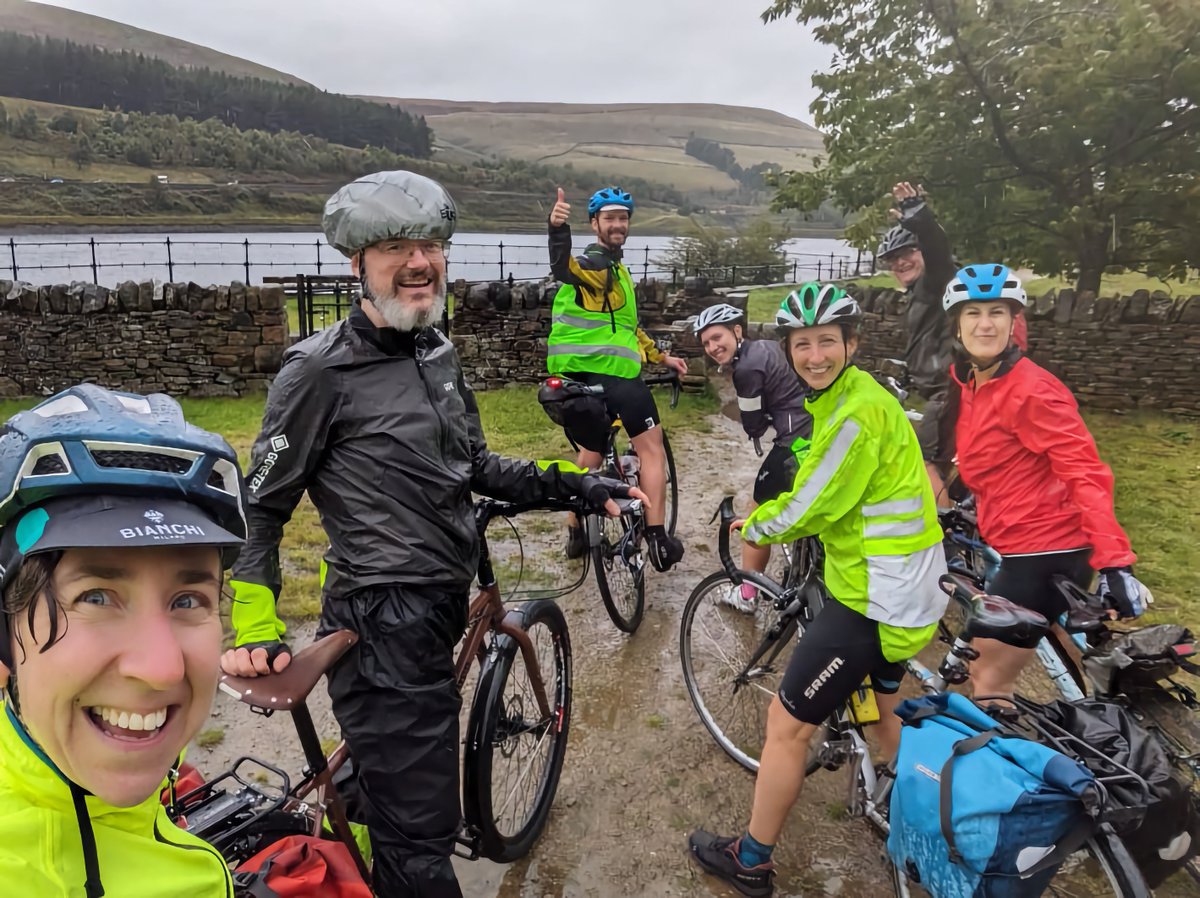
(211, 738)
(1155, 461)
(1117, 285)
(513, 422)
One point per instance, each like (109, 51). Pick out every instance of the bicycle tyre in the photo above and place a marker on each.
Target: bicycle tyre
(671, 511)
(620, 562)
(502, 731)
(709, 682)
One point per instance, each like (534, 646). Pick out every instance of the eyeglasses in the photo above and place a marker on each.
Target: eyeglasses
(889, 261)
(403, 250)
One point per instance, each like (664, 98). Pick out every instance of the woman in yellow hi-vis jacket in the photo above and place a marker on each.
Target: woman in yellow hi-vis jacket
(863, 490)
(117, 519)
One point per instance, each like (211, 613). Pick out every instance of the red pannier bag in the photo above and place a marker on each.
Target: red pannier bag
(300, 867)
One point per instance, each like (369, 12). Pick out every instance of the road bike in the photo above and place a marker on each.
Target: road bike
(617, 545)
(732, 663)
(515, 740)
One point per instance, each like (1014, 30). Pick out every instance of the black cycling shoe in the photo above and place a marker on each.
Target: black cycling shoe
(718, 855)
(665, 550)
(576, 544)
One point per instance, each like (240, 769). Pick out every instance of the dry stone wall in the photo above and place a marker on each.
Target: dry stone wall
(181, 339)
(1137, 351)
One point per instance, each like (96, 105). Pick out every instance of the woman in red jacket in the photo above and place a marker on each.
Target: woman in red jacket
(1044, 497)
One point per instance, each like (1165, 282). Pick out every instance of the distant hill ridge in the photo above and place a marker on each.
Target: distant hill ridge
(39, 19)
(607, 141)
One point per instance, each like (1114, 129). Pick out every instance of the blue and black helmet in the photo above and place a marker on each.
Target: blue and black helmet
(982, 283)
(96, 468)
(609, 198)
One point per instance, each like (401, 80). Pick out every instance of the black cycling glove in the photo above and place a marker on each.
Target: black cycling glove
(274, 648)
(598, 490)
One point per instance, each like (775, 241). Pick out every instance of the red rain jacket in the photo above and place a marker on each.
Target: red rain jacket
(1026, 454)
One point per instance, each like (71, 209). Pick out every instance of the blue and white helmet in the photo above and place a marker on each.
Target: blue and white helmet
(983, 283)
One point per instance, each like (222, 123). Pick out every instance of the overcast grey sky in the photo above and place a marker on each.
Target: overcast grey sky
(580, 51)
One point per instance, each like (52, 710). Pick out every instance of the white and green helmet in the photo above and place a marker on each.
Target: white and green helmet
(814, 304)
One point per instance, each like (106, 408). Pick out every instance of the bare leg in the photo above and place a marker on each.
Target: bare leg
(888, 728)
(754, 556)
(996, 669)
(780, 772)
(652, 459)
(591, 461)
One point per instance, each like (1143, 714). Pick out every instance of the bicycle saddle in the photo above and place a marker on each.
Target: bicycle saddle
(288, 690)
(995, 617)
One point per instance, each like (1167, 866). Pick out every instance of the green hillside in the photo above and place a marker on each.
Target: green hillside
(644, 140)
(67, 24)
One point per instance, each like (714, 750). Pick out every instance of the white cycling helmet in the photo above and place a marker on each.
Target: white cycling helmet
(721, 313)
(983, 283)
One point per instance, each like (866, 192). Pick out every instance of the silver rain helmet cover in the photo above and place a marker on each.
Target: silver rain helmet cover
(388, 205)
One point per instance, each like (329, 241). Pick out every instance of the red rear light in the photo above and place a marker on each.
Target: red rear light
(554, 382)
(1185, 650)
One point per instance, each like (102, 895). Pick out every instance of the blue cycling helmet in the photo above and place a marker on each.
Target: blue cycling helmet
(609, 198)
(983, 283)
(96, 468)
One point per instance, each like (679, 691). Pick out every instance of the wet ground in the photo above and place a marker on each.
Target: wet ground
(641, 771)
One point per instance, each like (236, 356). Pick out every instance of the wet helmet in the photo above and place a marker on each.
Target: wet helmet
(896, 239)
(722, 313)
(816, 304)
(388, 205)
(91, 467)
(609, 198)
(981, 283)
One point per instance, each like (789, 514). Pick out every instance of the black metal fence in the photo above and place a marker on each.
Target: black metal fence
(215, 260)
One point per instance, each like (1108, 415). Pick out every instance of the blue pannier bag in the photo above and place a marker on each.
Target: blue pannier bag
(977, 811)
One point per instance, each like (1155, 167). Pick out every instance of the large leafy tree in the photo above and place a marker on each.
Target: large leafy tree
(1059, 134)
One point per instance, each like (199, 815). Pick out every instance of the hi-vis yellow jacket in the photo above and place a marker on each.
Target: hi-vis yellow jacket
(139, 852)
(595, 323)
(862, 489)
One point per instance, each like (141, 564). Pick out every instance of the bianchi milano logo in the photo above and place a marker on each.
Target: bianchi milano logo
(278, 444)
(159, 530)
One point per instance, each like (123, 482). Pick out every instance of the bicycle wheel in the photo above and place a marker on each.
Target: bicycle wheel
(515, 753)
(716, 645)
(671, 509)
(620, 563)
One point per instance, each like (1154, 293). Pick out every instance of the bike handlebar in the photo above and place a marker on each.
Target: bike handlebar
(671, 378)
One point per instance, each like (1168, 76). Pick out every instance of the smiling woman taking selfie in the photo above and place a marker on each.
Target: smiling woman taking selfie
(117, 519)
(1044, 497)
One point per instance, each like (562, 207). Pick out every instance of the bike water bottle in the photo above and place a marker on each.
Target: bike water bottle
(630, 466)
(863, 708)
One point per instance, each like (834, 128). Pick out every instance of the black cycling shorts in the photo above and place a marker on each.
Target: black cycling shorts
(836, 653)
(1025, 579)
(777, 474)
(627, 398)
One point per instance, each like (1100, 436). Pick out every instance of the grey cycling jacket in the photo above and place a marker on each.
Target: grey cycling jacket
(381, 430)
(769, 392)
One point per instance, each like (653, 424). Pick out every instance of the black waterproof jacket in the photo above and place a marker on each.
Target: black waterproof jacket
(769, 392)
(381, 430)
(928, 350)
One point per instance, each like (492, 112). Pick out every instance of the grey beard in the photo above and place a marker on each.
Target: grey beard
(404, 317)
